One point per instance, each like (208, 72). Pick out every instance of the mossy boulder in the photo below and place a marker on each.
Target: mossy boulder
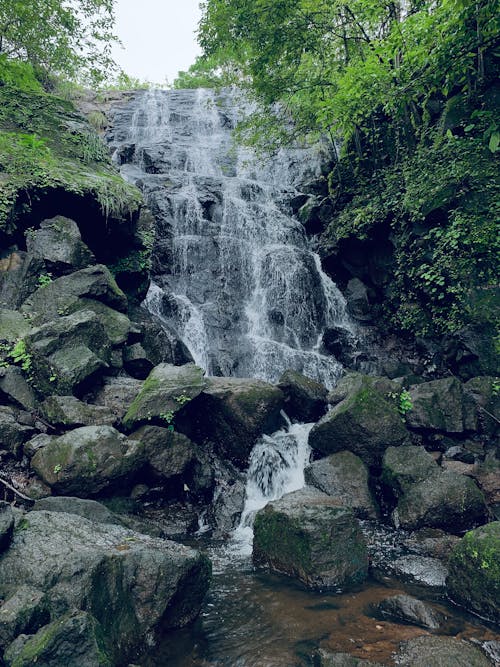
(365, 422)
(75, 640)
(23, 612)
(309, 536)
(344, 476)
(69, 411)
(59, 244)
(232, 413)
(428, 651)
(444, 500)
(86, 460)
(437, 406)
(474, 572)
(133, 584)
(305, 399)
(165, 391)
(404, 466)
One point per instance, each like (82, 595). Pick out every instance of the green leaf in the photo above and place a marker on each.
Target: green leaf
(494, 142)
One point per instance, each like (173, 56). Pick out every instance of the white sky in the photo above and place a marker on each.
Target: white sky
(158, 37)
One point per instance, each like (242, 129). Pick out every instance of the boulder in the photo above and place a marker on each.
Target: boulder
(116, 324)
(307, 535)
(166, 390)
(159, 342)
(423, 572)
(23, 612)
(136, 361)
(402, 467)
(437, 406)
(323, 658)
(233, 413)
(6, 525)
(117, 394)
(60, 297)
(13, 434)
(447, 500)
(59, 243)
(15, 389)
(343, 476)
(13, 325)
(67, 354)
(365, 422)
(407, 609)
(482, 405)
(69, 411)
(305, 399)
(74, 640)
(131, 583)
(358, 303)
(428, 651)
(88, 509)
(474, 578)
(87, 460)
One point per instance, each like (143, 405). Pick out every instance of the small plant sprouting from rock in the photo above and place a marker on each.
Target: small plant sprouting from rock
(182, 399)
(44, 279)
(168, 418)
(20, 355)
(403, 400)
(57, 469)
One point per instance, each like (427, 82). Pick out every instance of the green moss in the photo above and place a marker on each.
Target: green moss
(35, 646)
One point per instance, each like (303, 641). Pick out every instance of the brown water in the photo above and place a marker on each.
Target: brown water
(256, 619)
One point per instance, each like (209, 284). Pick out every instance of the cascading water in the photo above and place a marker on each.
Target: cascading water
(232, 270)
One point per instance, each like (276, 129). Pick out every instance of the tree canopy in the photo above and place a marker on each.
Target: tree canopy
(70, 38)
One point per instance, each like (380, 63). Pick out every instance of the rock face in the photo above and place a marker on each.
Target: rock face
(166, 390)
(305, 399)
(307, 535)
(366, 421)
(232, 413)
(87, 460)
(343, 476)
(440, 652)
(75, 640)
(474, 578)
(132, 584)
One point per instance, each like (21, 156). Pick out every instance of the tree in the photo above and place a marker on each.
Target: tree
(59, 37)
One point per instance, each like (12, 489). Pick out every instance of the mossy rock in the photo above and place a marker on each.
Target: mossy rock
(437, 406)
(402, 467)
(474, 572)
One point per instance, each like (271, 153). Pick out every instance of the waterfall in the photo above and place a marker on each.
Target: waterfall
(233, 273)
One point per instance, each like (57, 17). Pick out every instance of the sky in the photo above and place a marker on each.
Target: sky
(158, 37)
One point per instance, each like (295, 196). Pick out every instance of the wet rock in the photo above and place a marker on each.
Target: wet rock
(117, 394)
(160, 343)
(343, 476)
(437, 406)
(427, 651)
(420, 571)
(133, 584)
(63, 294)
(358, 303)
(407, 609)
(23, 612)
(471, 351)
(15, 389)
(232, 413)
(445, 500)
(69, 353)
(366, 421)
(482, 405)
(341, 343)
(167, 389)
(404, 466)
(324, 658)
(87, 460)
(228, 501)
(432, 542)
(75, 640)
(71, 412)
(136, 362)
(58, 242)
(307, 535)
(6, 525)
(305, 399)
(474, 579)
(88, 509)
(13, 434)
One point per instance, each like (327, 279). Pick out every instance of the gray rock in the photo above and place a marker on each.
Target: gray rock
(13, 434)
(167, 389)
(58, 242)
(407, 609)
(116, 324)
(36, 443)
(437, 406)
(365, 422)
(427, 651)
(87, 460)
(474, 579)
(421, 571)
(358, 304)
(75, 640)
(343, 476)
(117, 394)
(482, 405)
(6, 525)
(447, 500)
(13, 325)
(136, 362)
(305, 399)
(131, 583)
(307, 535)
(69, 411)
(88, 509)
(402, 467)
(325, 658)
(23, 612)
(232, 413)
(15, 389)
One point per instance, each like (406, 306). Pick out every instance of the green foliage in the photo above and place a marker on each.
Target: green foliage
(405, 403)
(206, 72)
(44, 279)
(22, 357)
(18, 73)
